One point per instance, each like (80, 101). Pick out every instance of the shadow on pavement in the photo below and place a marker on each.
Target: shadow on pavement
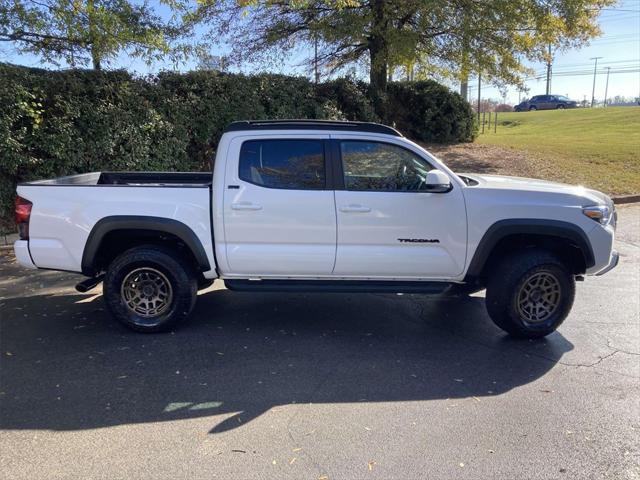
(66, 365)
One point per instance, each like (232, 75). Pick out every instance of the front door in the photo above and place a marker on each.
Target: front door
(388, 226)
(279, 215)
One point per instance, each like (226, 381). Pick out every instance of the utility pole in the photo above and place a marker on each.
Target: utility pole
(479, 89)
(606, 89)
(549, 63)
(593, 90)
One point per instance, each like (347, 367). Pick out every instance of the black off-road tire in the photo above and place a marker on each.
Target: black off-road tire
(168, 267)
(505, 287)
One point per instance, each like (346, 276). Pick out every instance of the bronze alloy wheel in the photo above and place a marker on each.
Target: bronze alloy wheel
(146, 292)
(539, 297)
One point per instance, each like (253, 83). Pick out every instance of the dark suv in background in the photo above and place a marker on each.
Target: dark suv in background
(546, 102)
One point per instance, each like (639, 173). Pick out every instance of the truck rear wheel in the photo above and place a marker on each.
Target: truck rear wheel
(530, 294)
(150, 289)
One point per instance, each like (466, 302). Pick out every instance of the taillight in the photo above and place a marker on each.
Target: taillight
(23, 212)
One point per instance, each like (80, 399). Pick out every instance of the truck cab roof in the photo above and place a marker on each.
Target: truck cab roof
(368, 127)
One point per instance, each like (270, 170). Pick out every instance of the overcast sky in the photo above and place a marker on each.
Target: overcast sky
(619, 47)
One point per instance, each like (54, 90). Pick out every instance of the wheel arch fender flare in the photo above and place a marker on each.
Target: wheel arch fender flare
(144, 223)
(528, 226)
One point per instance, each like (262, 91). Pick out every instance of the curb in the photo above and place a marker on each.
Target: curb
(626, 199)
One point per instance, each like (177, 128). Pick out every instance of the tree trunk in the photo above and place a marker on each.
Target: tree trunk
(464, 88)
(93, 37)
(95, 58)
(464, 64)
(379, 56)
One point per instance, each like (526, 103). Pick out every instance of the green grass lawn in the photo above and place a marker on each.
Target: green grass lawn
(599, 148)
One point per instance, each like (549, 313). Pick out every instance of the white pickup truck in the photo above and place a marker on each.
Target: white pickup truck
(319, 206)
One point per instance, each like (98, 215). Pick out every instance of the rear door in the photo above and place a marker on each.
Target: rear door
(388, 227)
(546, 102)
(279, 213)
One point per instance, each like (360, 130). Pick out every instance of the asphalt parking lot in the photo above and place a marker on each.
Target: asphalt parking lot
(321, 386)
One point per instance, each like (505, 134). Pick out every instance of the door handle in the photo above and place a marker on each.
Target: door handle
(353, 208)
(245, 206)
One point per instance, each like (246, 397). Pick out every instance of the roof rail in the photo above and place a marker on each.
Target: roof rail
(311, 125)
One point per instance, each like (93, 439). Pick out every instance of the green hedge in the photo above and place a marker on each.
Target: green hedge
(65, 122)
(430, 112)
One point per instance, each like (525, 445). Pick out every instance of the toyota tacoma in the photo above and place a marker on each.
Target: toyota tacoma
(319, 206)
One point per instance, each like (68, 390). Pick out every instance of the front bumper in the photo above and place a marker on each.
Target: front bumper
(613, 263)
(21, 249)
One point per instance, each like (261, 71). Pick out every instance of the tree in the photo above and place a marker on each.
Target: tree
(80, 32)
(452, 36)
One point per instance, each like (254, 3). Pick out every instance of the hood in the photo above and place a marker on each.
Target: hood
(536, 185)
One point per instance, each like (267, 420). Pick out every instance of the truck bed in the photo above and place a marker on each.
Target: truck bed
(134, 179)
(66, 210)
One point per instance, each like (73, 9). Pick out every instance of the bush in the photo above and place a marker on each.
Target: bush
(429, 112)
(65, 122)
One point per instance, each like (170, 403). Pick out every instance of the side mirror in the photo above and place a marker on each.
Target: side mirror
(437, 182)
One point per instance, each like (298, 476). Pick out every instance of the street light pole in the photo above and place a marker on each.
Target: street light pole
(606, 89)
(593, 90)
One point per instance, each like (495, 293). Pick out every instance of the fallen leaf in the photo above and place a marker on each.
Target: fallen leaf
(292, 460)
(297, 449)
(371, 464)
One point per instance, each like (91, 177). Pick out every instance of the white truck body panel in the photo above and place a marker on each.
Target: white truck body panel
(271, 231)
(312, 234)
(368, 241)
(63, 216)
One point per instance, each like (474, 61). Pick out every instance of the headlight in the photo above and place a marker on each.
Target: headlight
(600, 213)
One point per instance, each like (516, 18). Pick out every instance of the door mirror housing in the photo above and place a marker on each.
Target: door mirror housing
(437, 182)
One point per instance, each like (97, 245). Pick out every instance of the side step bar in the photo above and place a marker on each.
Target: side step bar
(336, 286)
(90, 283)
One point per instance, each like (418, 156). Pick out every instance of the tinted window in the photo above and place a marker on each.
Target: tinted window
(535, 99)
(293, 164)
(381, 166)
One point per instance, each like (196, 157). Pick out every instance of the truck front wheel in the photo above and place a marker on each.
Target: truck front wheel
(530, 294)
(149, 288)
